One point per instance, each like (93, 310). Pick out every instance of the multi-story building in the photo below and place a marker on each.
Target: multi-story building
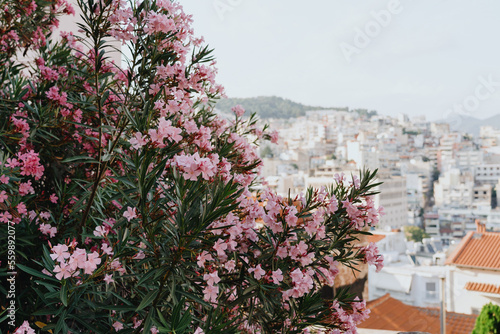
(487, 173)
(393, 198)
(454, 189)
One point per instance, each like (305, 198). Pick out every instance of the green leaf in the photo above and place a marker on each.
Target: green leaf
(34, 272)
(80, 158)
(147, 300)
(64, 294)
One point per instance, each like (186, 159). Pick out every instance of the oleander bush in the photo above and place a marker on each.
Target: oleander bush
(127, 204)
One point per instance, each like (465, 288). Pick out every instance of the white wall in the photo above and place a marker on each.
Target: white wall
(464, 301)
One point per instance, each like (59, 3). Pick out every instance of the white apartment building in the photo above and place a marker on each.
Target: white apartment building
(490, 136)
(462, 220)
(393, 198)
(487, 173)
(468, 159)
(453, 189)
(363, 156)
(431, 224)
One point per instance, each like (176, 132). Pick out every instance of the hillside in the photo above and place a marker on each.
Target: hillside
(469, 124)
(267, 106)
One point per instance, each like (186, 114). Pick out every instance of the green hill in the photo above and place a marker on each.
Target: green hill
(267, 106)
(277, 107)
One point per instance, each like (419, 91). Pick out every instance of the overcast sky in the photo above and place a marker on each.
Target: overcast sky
(425, 57)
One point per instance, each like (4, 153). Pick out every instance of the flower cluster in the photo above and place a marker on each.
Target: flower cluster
(71, 263)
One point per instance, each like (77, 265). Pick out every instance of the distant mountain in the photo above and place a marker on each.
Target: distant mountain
(267, 106)
(468, 124)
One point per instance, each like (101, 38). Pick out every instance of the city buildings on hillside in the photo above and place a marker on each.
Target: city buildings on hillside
(442, 181)
(426, 167)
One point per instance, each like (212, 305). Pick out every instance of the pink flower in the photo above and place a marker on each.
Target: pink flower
(190, 127)
(238, 110)
(130, 213)
(298, 250)
(168, 131)
(5, 217)
(212, 278)
(139, 256)
(3, 196)
(210, 293)
(60, 253)
(31, 164)
(107, 249)
(282, 252)
(53, 94)
(47, 229)
(78, 259)
(12, 163)
(63, 271)
(306, 260)
(53, 198)
(26, 188)
(274, 137)
(91, 264)
(117, 326)
(108, 279)
(277, 276)
(230, 265)
(372, 256)
(136, 322)
(158, 23)
(100, 231)
(291, 218)
(220, 246)
(138, 141)
(356, 182)
(204, 256)
(4, 179)
(258, 272)
(332, 206)
(25, 329)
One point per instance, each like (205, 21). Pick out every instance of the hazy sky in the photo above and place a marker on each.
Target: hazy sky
(426, 57)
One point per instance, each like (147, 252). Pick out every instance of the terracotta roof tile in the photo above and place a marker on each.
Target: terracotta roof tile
(388, 313)
(476, 250)
(375, 238)
(456, 323)
(482, 287)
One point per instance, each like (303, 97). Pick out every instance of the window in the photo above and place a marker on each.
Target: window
(430, 290)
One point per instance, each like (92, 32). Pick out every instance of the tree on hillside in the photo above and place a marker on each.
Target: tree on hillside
(488, 321)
